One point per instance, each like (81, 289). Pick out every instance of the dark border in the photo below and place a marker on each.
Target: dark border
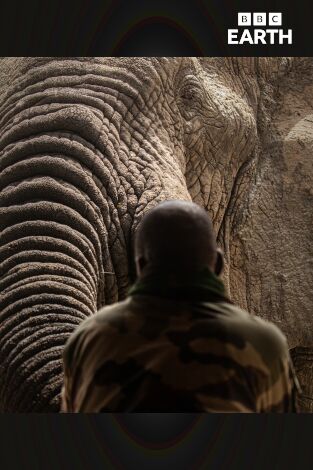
(143, 28)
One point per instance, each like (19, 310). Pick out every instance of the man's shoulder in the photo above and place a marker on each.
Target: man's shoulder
(269, 338)
(106, 315)
(93, 325)
(113, 311)
(260, 333)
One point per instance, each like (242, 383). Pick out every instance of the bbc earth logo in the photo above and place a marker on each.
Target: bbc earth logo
(257, 35)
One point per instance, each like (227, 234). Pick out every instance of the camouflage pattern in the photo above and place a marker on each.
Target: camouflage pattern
(149, 354)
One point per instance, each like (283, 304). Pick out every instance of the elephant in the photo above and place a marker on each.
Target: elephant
(89, 145)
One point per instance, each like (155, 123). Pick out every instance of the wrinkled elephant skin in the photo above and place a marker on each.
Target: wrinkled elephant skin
(88, 145)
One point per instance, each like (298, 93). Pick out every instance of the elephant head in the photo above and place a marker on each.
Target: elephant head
(88, 145)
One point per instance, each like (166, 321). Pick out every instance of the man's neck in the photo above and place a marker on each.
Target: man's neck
(202, 285)
(179, 275)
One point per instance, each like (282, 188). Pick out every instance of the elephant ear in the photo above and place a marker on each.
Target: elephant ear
(269, 68)
(272, 250)
(249, 77)
(272, 68)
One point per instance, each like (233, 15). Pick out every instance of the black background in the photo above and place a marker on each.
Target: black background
(149, 441)
(156, 441)
(143, 27)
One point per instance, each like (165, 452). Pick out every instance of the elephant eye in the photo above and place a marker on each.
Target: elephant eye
(190, 93)
(187, 93)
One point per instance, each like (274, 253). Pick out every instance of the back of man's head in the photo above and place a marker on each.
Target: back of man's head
(176, 237)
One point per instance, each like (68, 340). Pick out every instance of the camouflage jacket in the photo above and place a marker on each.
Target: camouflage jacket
(151, 354)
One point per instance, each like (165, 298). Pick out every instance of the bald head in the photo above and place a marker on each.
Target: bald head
(177, 237)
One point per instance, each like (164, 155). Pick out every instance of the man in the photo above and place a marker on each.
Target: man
(177, 343)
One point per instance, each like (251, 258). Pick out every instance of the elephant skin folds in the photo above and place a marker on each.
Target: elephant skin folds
(88, 145)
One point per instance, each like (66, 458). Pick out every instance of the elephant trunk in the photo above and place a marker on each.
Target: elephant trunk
(72, 191)
(57, 206)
